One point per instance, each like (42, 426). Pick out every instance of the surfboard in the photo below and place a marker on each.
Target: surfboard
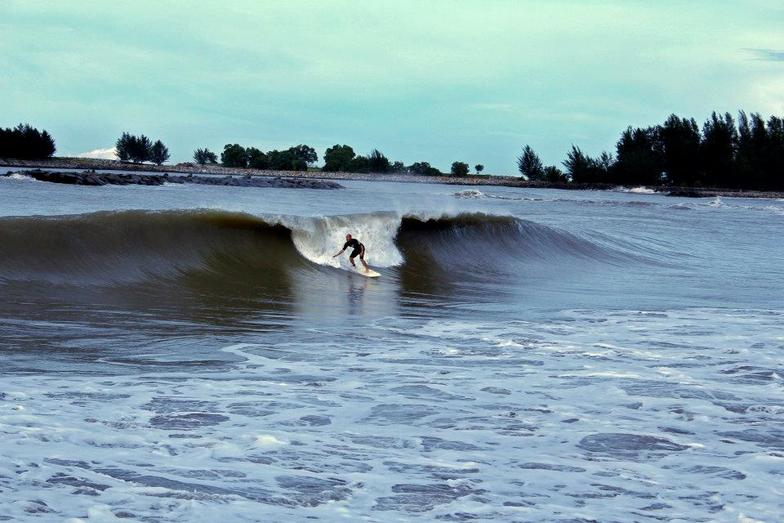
(369, 274)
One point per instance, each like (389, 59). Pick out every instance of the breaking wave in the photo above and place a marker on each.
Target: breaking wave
(126, 247)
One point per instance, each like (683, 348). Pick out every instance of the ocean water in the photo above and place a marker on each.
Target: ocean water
(191, 353)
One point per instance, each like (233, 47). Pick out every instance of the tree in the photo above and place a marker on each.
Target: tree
(292, 159)
(234, 155)
(25, 142)
(304, 154)
(581, 168)
(717, 150)
(123, 147)
(137, 149)
(338, 158)
(141, 150)
(159, 153)
(554, 175)
(286, 161)
(359, 164)
(377, 162)
(398, 167)
(256, 158)
(530, 165)
(46, 146)
(578, 166)
(753, 158)
(639, 157)
(204, 156)
(775, 163)
(604, 166)
(459, 169)
(479, 168)
(680, 142)
(278, 160)
(424, 169)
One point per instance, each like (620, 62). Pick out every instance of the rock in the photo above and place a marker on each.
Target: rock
(689, 193)
(93, 178)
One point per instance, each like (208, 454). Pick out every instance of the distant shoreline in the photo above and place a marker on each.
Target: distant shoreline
(506, 181)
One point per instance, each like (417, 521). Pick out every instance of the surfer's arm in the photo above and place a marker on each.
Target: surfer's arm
(345, 246)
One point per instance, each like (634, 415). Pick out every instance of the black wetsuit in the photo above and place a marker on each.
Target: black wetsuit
(354, 244)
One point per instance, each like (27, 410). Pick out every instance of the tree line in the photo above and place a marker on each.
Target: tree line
(234, 155)
(338, 158)
(743, 154)
(342, 158)
(25, 143)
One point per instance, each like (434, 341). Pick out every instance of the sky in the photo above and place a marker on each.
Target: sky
(436, 81)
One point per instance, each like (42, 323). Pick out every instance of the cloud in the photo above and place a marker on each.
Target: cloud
(771, 55)
(101, 154)
(422, 81)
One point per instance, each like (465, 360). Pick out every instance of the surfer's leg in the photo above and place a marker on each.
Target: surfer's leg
(362, 259)
(354, 254)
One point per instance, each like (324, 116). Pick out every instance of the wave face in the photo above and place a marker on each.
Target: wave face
(143, 246)
(133, 246)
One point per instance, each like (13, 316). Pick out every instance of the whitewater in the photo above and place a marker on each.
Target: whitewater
(194, 354)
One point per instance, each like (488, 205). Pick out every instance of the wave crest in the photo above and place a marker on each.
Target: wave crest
(132, 246)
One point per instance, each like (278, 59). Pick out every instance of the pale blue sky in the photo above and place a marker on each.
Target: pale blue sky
(437, 81)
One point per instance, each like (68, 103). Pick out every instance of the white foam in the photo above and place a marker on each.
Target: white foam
(470, 193)
(418, 420)
(637, 190)
(318, 239)
(268, 440)
(22, 177)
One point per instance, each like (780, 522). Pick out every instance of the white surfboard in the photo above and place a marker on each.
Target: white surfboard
(368, 274)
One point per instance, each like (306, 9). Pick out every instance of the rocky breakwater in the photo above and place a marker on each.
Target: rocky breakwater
(101, 178)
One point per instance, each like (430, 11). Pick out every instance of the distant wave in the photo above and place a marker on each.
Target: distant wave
(109, 248)
(636, 190)
(470, 194)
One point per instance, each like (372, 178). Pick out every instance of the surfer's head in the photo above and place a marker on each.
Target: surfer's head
(348, 237)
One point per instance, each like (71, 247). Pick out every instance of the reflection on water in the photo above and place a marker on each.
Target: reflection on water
(356, 293)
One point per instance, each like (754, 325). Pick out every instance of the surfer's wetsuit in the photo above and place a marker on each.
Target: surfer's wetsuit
(354, 244)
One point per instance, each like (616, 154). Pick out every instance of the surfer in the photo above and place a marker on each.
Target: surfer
(359, 250)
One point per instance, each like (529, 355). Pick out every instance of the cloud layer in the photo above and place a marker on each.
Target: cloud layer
(438, 81)
(101, 154)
